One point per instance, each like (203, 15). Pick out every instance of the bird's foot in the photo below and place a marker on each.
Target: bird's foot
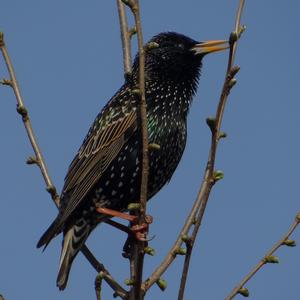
(139, 231)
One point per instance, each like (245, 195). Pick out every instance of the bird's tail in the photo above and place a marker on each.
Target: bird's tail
(53, 230)
(74, 238)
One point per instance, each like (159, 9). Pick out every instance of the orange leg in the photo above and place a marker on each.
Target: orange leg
(115, 213)
(139, 231)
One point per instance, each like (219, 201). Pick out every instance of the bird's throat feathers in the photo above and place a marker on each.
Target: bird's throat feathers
(170, 85)
(170, 97)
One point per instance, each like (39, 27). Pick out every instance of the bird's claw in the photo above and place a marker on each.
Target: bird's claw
(140, 231)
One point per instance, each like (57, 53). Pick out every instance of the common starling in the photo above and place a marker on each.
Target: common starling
(106, 171)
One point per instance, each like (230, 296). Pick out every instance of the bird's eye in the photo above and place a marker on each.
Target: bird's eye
(181, 46)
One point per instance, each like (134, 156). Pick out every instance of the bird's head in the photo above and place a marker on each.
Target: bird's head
(174, 56)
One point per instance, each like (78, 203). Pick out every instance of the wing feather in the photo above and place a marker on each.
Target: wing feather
(92, 160)
(102, 140)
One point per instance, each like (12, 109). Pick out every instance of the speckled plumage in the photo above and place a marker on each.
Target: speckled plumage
(106, 170)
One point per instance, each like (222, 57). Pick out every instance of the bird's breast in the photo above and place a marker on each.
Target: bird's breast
(168, 137)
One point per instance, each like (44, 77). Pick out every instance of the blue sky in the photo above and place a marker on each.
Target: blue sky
(68, 61)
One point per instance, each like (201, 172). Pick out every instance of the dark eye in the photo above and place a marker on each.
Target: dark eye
(181, 46)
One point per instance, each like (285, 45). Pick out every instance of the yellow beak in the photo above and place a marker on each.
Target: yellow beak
(210, 46)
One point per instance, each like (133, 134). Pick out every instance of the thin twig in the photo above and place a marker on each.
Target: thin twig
(135, 8)
(214, 144)
(40, 162)
(21, 109)
(127, 62)
(119, 291)
(210, 176)
(104, 273)
(266, 259)
(125, 37)
(138, 246)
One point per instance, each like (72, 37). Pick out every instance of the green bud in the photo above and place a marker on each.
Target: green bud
(241, 30)
(31, 160)
(129, 282)
(133, 206)
(271, 259)
(234, 70)
(154, 146)
(98, 280)
(244, 292)
(132, 31)
(222, 135)
(211, 122)
(181, 251)
(151, 45)
(289, 243)
(185, 238)
(218, 175)
(136, 92)
(150, 251)
(162, 284)
(232, 83)
(100, 275)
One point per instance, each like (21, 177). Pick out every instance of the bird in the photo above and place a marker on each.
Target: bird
(106, 170)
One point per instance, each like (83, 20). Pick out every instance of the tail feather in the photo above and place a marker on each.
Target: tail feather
(53, 230)
(74, 239)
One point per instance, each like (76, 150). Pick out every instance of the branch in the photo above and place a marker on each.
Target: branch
(210, 176)
(268, 258)
(134, 6)
(21, 109)
(138, 247)
(125, 37)
(40, 162)
(103, 274)
(216, 127)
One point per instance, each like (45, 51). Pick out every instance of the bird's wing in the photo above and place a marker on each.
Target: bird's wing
(93, 158)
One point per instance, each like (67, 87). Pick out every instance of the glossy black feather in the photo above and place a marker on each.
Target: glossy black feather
(106, 170)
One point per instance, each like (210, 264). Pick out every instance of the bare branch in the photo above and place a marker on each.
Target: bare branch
(40, 162)
(135, 8)
(126, 45)
(210, 177)
(268, 258)
(103, 273)
(21, 109)
(138, 246)
(125, 36)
